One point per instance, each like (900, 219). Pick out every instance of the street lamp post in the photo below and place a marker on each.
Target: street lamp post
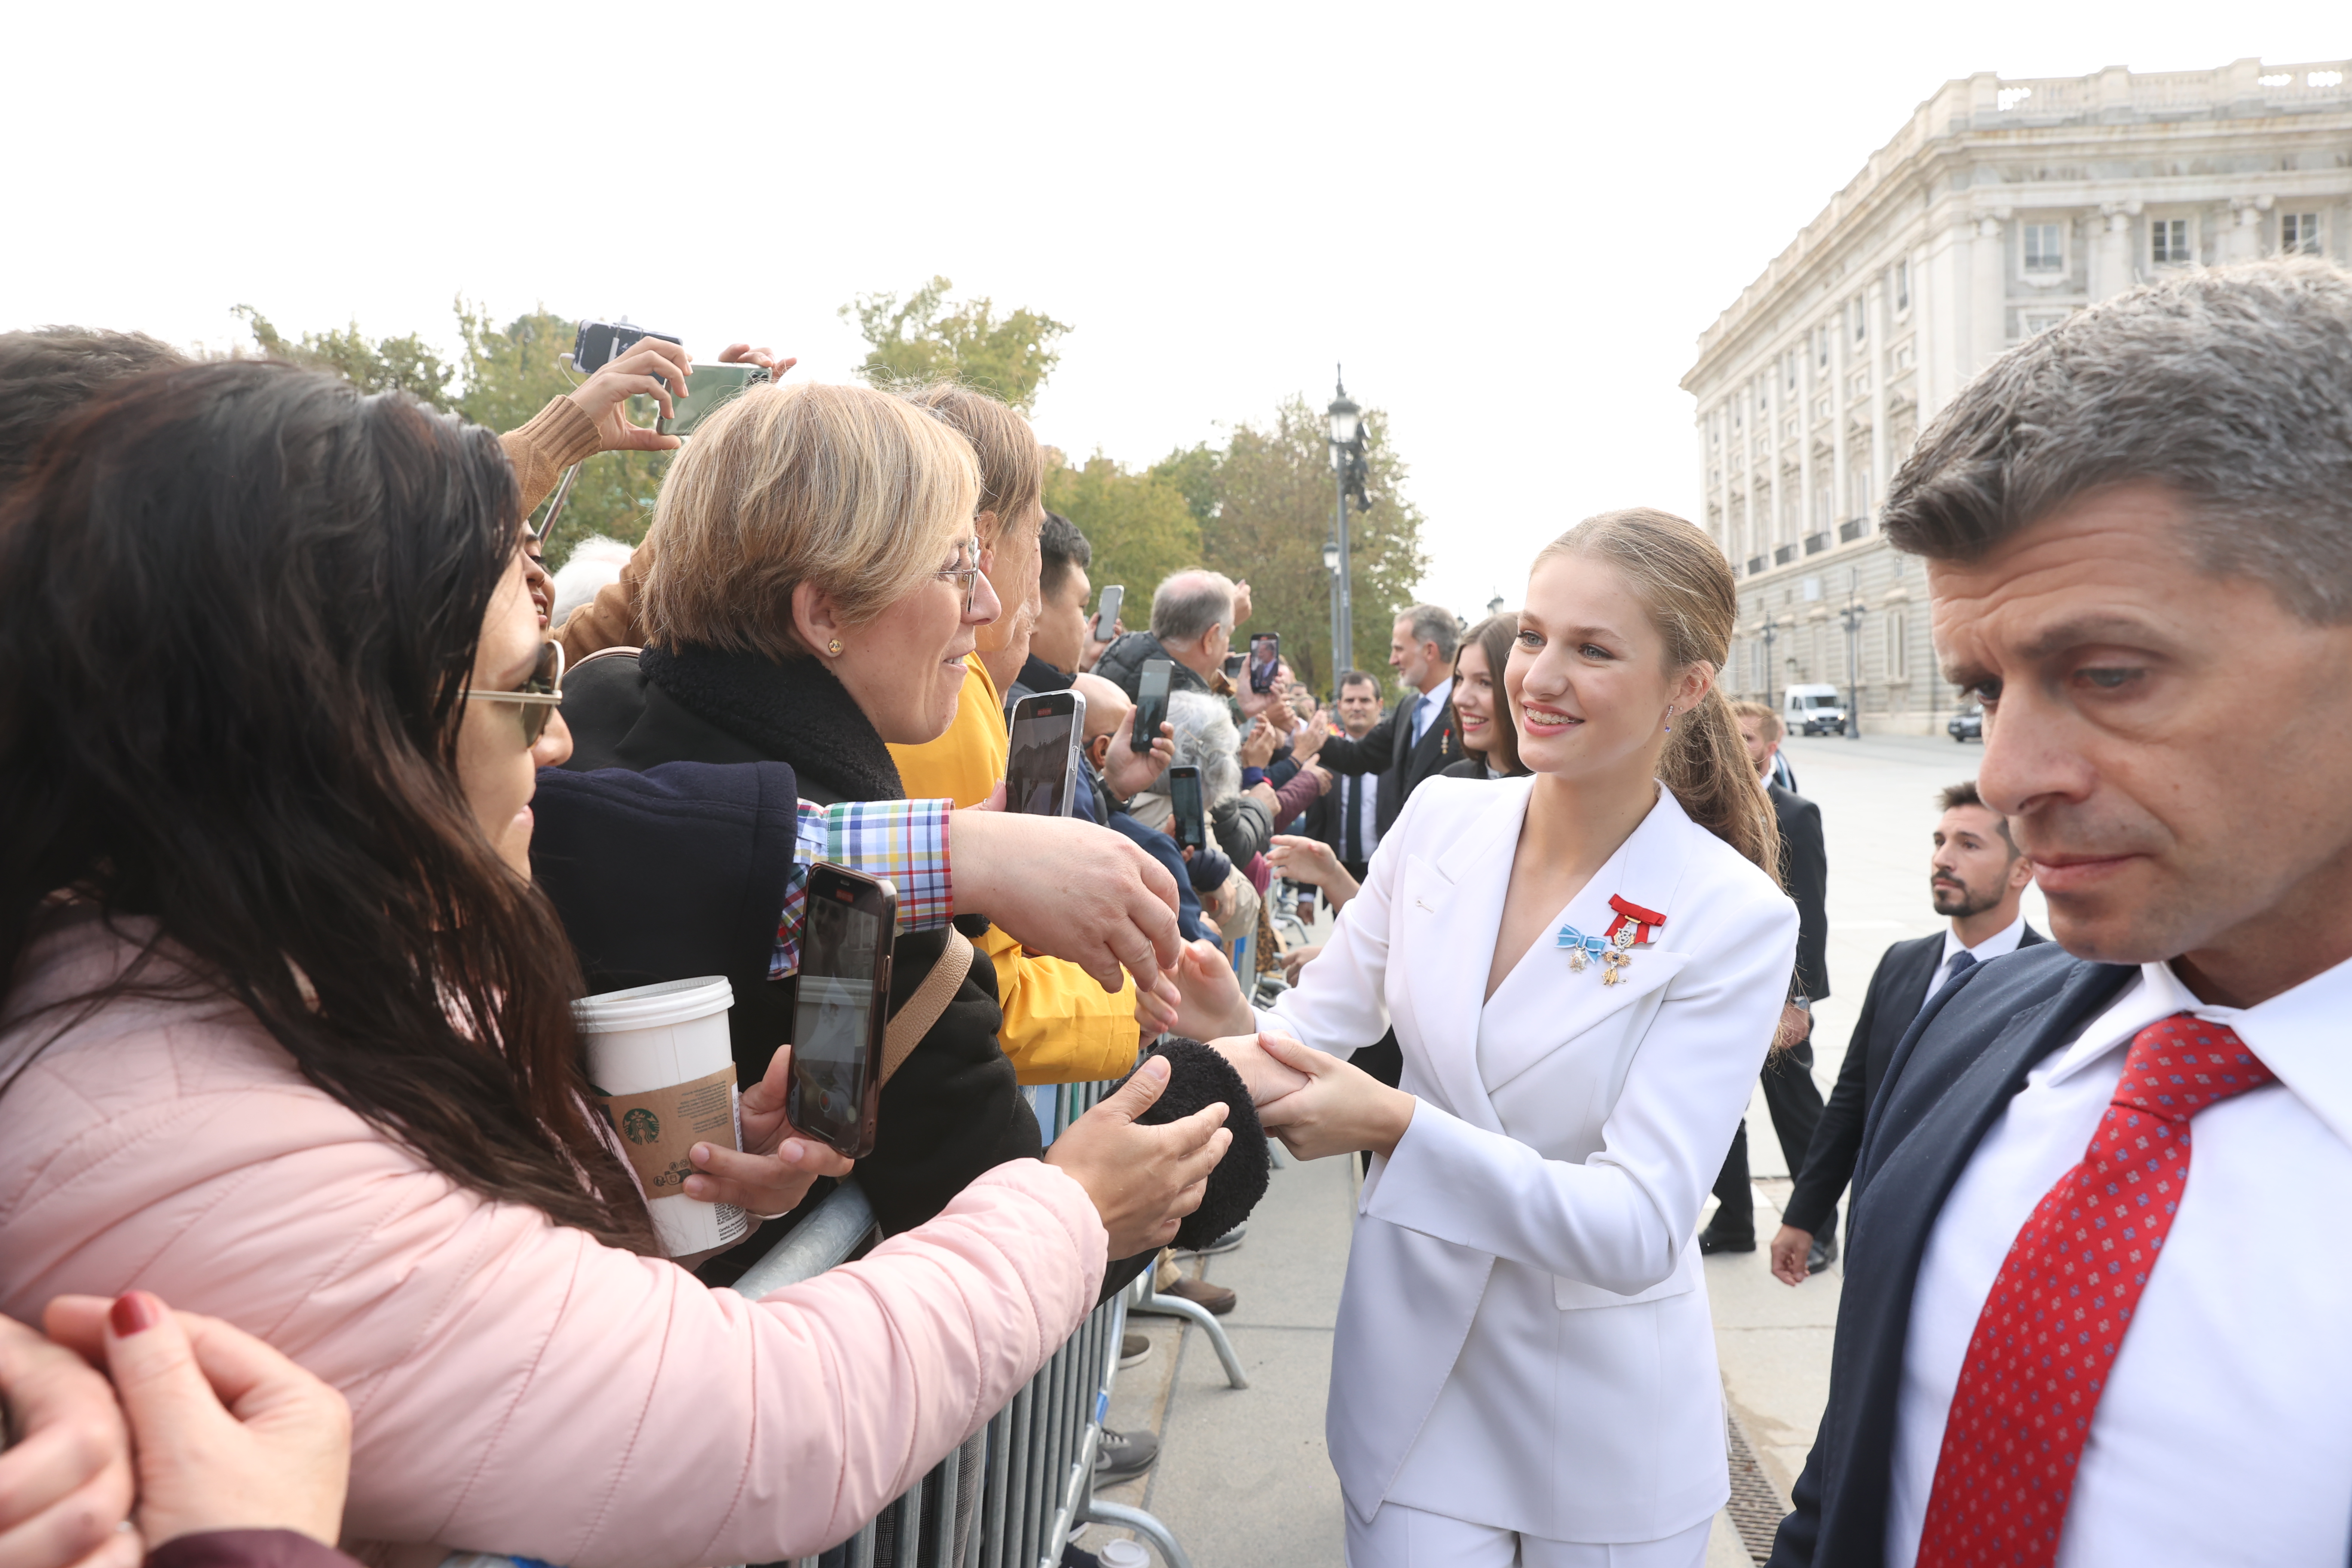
(1347, 466)
(1852, 615)
(1494, 605)
(1331, 570)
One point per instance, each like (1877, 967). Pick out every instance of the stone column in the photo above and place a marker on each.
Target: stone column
(1809, 392)
(1989, 259)
(2110, 256)
(1876, 302)
(1774, 415)
(1842, 363)
(2243, 242)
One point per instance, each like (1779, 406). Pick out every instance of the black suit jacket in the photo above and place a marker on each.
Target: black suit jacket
(1388, 749)
(1322, 819)
(1897, 989)
(1805, 873)
(1948, 1081)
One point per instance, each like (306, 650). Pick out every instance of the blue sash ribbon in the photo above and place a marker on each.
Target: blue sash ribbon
(1571, 937)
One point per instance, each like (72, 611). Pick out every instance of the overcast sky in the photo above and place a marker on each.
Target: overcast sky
(1509, 222)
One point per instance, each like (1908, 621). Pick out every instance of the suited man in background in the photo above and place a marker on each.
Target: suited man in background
(2139, 533)
(1416, 738)
(1977, 877)
(1347, 816)
(1790, 1094)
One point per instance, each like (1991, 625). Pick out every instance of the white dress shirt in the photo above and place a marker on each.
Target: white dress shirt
(1428, 706)
(2222, 1436)
(2001, 943)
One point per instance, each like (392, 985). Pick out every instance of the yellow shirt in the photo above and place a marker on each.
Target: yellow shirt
(1059, 1026)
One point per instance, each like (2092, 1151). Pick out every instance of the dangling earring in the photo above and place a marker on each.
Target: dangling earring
(1670, 718)
(833, 648)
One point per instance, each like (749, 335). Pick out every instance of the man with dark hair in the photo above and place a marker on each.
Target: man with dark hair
(2094, 1312)
(1416, 739)
(1977, 877)
(1791, 1095)
(1057, 641)
(47, 372)
(1347, 816)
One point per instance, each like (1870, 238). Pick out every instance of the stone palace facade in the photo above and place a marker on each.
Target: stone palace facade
(2000, 207)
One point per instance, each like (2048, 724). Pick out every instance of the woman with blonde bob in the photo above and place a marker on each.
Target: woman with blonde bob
(1524, 1366)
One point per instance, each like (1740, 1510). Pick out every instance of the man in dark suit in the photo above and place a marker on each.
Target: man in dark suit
(1347, 816)
(1416, 738)
(1790, 1094)
(1978, 878)
(2096, 1308)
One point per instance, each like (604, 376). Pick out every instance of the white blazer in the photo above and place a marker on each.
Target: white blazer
(1524, 1338)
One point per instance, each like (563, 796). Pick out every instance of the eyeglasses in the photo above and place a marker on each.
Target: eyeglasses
(966, 566)
(537, 698)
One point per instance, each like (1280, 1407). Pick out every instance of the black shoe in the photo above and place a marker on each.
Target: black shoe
(1075, 1556)
(1123, 1456)
(1822, 1254)
(1709, 1243)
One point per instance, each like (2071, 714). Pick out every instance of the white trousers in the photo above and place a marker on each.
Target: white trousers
(1401, 1537)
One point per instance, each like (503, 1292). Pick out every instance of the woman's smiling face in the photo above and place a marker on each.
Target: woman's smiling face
(1587, 676)
(1475, 698)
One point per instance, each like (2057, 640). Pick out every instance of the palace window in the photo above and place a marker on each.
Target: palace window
(2044, 247)
(1902, 284)
(2299, 234)
(1861, 319)
(2168, 242)
(1822, 346)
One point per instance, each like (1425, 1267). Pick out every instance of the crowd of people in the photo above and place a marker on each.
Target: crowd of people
(327, 801)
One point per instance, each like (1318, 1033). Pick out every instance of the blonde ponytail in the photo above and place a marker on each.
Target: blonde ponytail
(1694, 603)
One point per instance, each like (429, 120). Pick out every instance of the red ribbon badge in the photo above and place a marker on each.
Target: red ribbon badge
(1644, 922)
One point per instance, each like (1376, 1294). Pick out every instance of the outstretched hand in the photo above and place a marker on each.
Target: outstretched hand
(1143, 1180)
(67, 1478)
(1342, 1108)
(1206, 1003)
(654, 368)
(775, 1168)
(1067, 889)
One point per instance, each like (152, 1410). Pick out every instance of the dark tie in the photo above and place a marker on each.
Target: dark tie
(1351, 835)
(1962, 962)
(2063, 1298)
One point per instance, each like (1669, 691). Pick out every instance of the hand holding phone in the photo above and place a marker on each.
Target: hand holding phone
(1191, 827)
(841, 1007)
(709, 387)
(1151, 704)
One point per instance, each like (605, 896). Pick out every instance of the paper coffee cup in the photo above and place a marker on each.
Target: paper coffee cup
(663, 1074)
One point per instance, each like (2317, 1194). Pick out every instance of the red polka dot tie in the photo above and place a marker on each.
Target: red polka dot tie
(2065, 1294)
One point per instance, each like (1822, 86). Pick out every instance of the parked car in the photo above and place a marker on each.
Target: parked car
(1967, 725)
(1814, 710)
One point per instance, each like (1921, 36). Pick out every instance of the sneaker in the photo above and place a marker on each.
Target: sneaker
(1216, 1299)
(1225, 1243)
(1134, 1349)
(1123, 1456)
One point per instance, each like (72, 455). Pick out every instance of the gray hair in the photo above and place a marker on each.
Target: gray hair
(1433, 623)
(1188, 603)
(2232, 386)
(1207, 739)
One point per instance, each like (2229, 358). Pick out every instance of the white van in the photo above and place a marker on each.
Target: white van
(1814, 710)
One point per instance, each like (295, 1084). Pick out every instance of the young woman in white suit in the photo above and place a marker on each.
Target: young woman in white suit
(1584, 969)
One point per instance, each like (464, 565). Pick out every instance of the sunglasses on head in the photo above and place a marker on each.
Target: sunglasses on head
(537, 698)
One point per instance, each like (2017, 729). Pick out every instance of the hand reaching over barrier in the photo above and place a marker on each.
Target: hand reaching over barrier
(1069, 889)
(1311, 861)
(1206, 1001)
(1143, 1180)
(66, 1480)
(230, 1434)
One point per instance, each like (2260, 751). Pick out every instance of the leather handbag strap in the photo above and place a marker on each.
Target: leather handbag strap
(913, 1021)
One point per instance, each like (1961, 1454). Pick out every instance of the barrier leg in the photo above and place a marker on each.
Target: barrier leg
(1143, 1524)
(1175, 1307)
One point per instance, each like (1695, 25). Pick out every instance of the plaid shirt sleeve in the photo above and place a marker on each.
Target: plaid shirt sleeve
(904, 840)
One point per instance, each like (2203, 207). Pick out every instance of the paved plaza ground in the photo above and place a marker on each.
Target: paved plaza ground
(1243, 1478)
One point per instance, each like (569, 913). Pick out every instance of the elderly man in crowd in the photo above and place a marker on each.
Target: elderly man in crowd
(2092, 1313)
(1193, 614)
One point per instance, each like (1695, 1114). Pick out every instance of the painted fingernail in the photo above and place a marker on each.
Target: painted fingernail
(134, 1312)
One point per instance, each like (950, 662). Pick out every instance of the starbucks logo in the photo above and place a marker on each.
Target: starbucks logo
(641, 1126)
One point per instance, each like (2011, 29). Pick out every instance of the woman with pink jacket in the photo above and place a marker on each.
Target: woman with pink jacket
(287, 1036)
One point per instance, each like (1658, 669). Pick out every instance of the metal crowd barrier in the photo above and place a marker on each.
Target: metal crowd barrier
(1013, 1495)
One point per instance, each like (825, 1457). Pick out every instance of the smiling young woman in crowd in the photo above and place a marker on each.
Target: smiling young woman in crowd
(1482, 712)
(287, 1039)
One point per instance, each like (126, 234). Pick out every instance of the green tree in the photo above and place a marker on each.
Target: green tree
(389, 365)
(925, 338)
(1266, 513)
(1137, 523)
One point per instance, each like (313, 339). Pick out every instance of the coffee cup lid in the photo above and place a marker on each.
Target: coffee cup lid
(653, 1006)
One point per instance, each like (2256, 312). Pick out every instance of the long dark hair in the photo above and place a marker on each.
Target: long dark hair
(238, 607)
(1492, 637)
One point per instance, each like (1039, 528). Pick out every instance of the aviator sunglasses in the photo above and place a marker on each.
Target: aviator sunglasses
(537, 698)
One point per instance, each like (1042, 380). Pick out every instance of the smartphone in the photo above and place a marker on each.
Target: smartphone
(1151, 704)
(599, 343)
(708, 388)
(1233, 663)
(1184, 795)
(841, 1008)
(1107, 609)
(1265, 659)
(1040, 773)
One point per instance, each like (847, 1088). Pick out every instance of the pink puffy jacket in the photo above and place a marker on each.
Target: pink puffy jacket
(515, 1387)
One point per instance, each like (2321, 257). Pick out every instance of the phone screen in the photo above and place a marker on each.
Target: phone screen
(1184, 797)
(844, 952)
(1151, 704)
(1266, 660)
(1037, 772)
